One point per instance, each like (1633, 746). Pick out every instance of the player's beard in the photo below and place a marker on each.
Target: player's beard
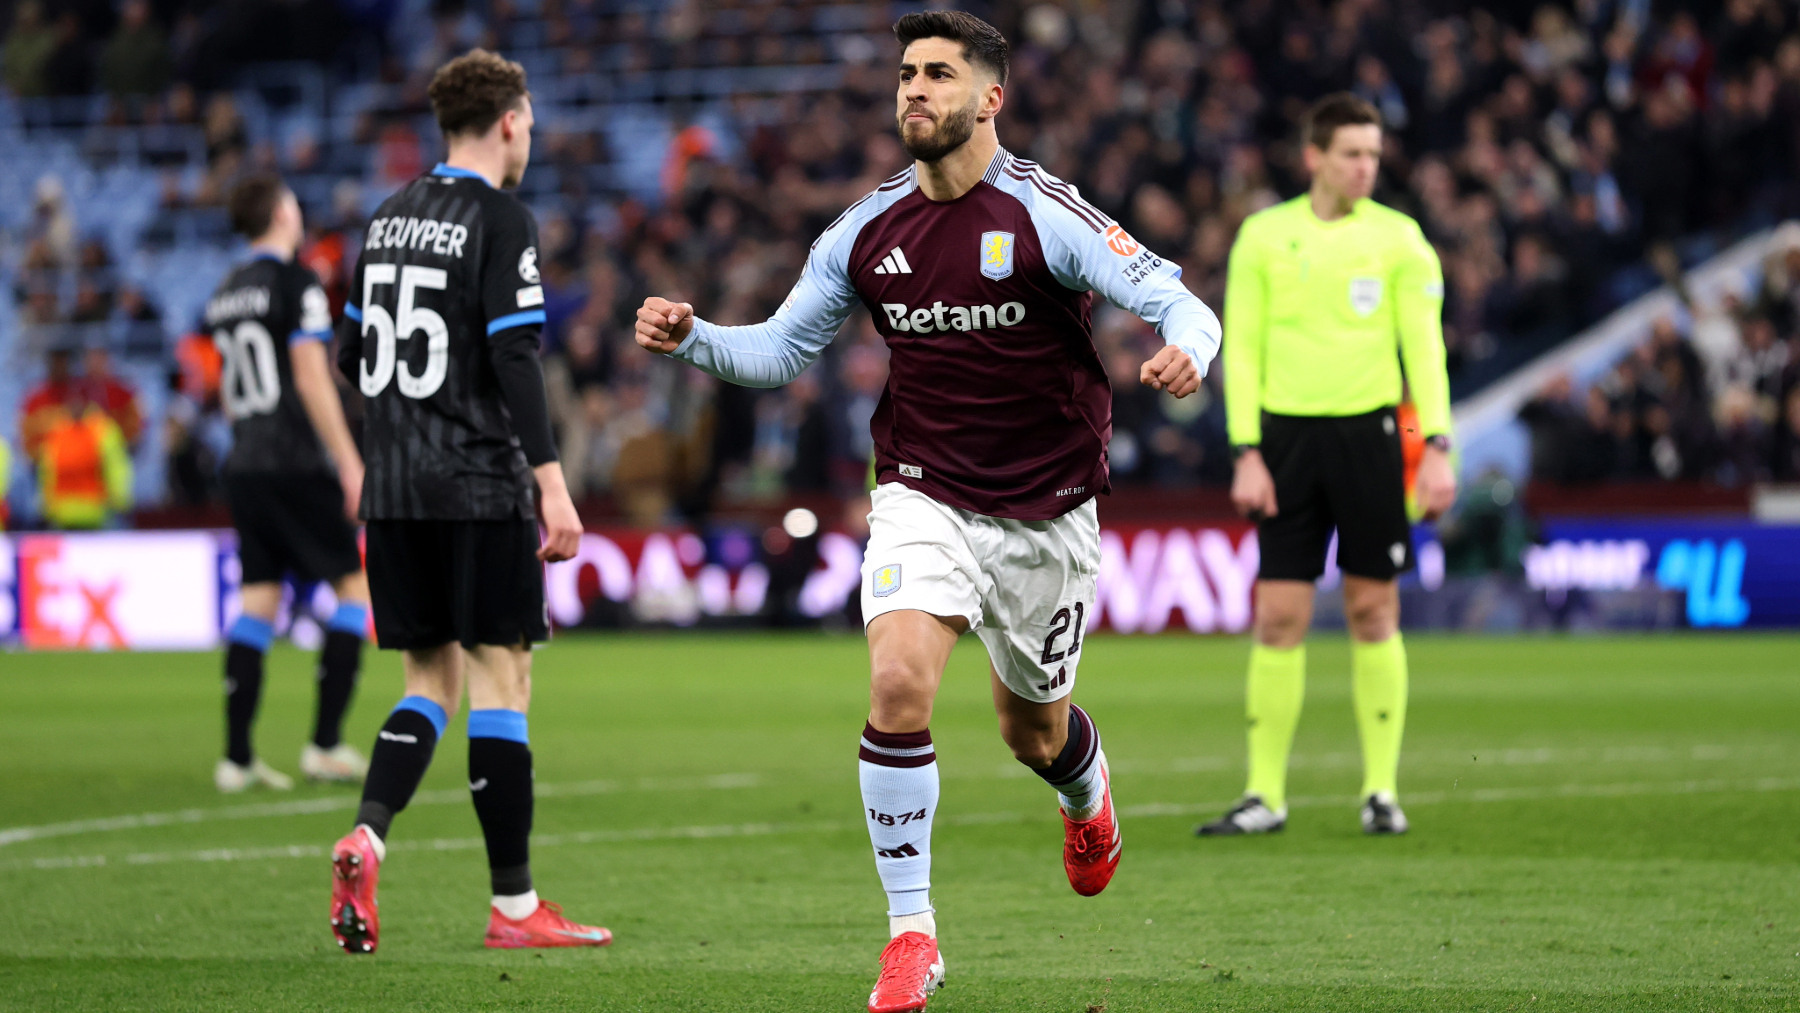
(953, 131)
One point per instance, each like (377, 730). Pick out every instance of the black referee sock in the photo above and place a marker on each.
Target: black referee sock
(402, 753)
(246, 643)
(339, 662)
(500, 783)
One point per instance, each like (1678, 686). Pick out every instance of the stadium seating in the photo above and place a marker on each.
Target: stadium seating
(698, 150)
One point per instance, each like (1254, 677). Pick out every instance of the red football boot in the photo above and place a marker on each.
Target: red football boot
(1091, 846)
(355, 916)
(911, 969)
(541, 928)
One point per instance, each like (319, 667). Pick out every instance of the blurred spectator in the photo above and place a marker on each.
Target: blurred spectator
(84, 468)
(67, 70)
(1761, 359)
(103, 389)
(1531, 300)
(136, 60)
(56, 390)
(143, 322)
(1558, 431)
(1787, 440)
(1663, 159)
(226, 136)
(330, 255)
(28, 47)
(195, 436)
(1743, 446)
(399, 156)
(52, 229)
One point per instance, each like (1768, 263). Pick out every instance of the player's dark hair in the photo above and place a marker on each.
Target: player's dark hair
(982, 43)
(470, 93)
(252, 203)
(1340, 109)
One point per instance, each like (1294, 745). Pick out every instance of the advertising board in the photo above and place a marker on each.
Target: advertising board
(177, 590)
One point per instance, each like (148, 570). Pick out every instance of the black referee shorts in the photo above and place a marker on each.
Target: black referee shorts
(1346, 473)
(291, 524)
(471, 582)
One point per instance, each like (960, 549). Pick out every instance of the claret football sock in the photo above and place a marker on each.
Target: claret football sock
(247, 642)
(1277, 687)
(339, 661)
(402, 753)
(899, 776)
(500, 783)
(1075, 773)
(1378, 679)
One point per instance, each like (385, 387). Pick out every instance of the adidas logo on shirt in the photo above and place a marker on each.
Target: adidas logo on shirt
(894, 263)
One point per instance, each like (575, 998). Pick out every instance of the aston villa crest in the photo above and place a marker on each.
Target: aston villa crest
(997, 255)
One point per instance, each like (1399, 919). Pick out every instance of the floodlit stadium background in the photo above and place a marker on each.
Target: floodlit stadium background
(1606, 184)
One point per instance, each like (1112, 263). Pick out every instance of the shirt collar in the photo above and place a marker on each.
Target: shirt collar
(996, 166)
(457, 172)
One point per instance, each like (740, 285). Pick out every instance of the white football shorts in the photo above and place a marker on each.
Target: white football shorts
(1026, 587)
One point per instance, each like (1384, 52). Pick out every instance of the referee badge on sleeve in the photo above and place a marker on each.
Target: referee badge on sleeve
(887, 580)
(1365, 295)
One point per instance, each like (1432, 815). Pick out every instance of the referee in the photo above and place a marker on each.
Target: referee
(1329, 296)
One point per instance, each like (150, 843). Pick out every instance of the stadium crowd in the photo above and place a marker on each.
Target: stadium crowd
(1551, 152)
(1720, 403)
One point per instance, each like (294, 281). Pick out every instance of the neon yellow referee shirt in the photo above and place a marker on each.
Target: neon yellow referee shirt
(1320, 315)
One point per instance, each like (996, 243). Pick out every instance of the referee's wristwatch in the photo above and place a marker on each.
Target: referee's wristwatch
(1240, 449)
(1439, 441)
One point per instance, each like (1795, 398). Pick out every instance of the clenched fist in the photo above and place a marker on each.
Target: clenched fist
(1171, 369)
(663, 325)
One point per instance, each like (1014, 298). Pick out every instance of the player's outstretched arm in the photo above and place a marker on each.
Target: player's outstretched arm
(318, 394)
(773, 352)
(768, 354)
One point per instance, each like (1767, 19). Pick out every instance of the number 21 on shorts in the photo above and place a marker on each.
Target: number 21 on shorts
(1065, 621)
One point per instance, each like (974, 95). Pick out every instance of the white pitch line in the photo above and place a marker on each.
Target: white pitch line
(1520, 794)
(1476, 758)
(712, 831)
(1512, 757)
(345, 803)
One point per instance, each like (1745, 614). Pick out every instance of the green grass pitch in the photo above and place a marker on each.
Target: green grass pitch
(1597, 824)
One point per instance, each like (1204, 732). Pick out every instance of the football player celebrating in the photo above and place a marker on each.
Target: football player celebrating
(990, 439)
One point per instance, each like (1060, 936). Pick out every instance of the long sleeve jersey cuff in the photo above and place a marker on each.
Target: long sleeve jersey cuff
(1190, 326)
